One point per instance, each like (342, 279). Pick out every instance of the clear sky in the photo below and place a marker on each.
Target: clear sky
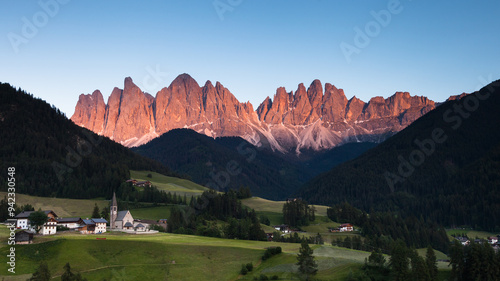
(59, 49)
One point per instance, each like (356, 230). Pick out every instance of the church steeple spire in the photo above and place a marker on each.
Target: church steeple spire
(113, 211)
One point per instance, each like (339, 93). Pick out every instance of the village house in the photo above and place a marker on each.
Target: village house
(463, 240)
(283, 228)
(492, 240)
(71, 223)
(88, 227)
(135, 182)
(143, 183)
(346, 227)
(24, 237)
(100, 225)
(50, 227)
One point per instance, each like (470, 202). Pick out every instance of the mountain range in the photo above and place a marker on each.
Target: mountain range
(316, 118)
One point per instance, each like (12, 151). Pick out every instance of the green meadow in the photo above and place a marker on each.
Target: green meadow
(61, 206)
(170, 184)
(265, 205)
(163, 257)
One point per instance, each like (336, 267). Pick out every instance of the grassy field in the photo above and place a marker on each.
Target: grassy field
(61, 206)
(166, 256)
(472, 234)
(265, 205)
(152, 213)
(171, 184)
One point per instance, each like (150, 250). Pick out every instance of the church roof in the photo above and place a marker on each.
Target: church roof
(121, 215)
(128, 224)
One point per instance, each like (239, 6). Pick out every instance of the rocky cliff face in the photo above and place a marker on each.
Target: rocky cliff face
(290, 122)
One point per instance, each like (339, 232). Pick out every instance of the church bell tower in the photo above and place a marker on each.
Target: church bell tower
(113, 212)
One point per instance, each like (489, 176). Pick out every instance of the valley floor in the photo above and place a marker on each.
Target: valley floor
(169, 257)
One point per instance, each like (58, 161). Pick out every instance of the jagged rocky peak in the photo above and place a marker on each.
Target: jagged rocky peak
(318, 117)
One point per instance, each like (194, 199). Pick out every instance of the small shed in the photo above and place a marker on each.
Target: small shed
(24, 237)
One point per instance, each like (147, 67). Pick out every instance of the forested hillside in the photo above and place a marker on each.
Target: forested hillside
(444, 167)
(54, 157)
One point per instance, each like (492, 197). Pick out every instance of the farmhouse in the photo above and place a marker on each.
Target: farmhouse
(100, 225)
(492, 240)
(50, 227)
(88, 227)
(346, 227)
(143, 183)
(24, 237)
(135, 182)
(71, 223)
(283, 228)
(464, 240)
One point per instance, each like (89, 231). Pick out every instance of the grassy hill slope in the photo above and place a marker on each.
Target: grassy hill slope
(169, 184)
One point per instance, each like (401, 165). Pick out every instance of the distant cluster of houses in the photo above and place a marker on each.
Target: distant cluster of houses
(94, 225)
(84, 226)
(119, 221)
(493, 240)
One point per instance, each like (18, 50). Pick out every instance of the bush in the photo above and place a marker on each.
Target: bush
(157, 227)
(243, 270)
(263, 277)
(274, 277)
(271, 252)
(61, 228)
(249, 266)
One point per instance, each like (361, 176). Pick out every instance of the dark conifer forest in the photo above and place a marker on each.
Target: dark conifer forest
(444, 168)
(55, 157)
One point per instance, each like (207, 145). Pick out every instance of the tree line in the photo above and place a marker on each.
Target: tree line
(404, 264)
(381, 229)
(296, 213)
(476, 261)
(200, 217)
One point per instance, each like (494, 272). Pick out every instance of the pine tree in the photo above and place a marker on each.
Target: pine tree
(430, 260)
(95, 212)
(307, 264)
(42, 273)
(399, 261)
(67, 275)
(419, 270)
(456, 261)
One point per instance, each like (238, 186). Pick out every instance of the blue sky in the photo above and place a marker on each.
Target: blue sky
(430, 48)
